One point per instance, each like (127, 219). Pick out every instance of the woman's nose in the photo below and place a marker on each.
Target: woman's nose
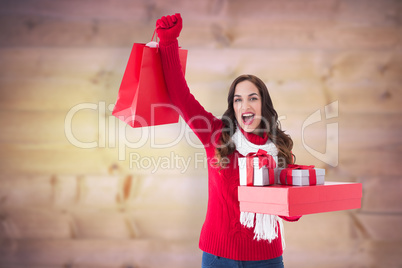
(245, 105)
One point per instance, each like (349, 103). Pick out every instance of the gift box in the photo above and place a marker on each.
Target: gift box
(257, 169)
(300, 175)
(285, 200)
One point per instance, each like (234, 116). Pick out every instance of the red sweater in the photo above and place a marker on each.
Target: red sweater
(222, 234)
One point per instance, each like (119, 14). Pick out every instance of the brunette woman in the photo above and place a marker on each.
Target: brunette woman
(250, 123)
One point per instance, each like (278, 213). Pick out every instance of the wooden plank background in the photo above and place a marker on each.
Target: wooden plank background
(77, 191)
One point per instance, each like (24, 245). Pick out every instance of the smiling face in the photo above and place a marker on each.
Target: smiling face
(247, 106)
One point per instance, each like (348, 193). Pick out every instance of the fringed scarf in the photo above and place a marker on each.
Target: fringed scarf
(266, 225)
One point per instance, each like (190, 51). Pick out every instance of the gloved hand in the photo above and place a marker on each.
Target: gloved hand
(169, 28)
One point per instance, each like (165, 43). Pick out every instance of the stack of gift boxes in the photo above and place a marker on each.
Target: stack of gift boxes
(292, 191)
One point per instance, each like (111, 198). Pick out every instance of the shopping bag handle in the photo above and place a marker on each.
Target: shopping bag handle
(155, 34)
(154, 43)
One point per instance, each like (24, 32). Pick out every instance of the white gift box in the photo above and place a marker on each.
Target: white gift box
(261, 175)
(300, 177)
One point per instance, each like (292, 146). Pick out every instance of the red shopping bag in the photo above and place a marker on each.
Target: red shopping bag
(143, 98)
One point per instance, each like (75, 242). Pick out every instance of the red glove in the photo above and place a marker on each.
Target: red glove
(169, 28)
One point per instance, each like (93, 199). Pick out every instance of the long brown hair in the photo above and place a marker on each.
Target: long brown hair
(269, 124)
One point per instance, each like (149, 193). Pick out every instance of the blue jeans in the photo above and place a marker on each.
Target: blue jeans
(212, 261)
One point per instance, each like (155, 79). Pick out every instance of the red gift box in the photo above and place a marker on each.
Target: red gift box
(284, 200)
(286, 175)
(257, 169)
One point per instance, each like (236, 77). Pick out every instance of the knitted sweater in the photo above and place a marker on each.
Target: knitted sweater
(222, 233)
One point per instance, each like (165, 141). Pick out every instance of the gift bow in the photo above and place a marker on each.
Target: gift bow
(286, 174)
(264, 159)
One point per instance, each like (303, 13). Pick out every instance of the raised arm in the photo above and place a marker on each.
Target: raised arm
(202, 122)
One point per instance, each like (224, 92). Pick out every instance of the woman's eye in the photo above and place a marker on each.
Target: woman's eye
(237, 100)
(253, 99)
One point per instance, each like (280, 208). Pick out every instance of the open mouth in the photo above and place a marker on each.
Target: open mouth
(248, 118)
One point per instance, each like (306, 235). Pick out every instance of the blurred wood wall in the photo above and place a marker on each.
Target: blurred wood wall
(78, 191)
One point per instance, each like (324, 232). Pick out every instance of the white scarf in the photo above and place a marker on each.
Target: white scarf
(266, 225)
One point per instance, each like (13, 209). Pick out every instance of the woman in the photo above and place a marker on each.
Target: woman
(250, 123)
